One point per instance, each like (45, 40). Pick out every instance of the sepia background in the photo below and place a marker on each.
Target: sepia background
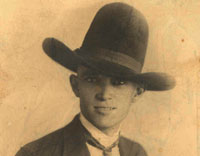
(35, 94)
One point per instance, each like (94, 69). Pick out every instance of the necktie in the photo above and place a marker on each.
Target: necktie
(107, 151)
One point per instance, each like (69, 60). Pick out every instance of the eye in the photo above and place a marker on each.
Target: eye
(118, 82)
(91, 79)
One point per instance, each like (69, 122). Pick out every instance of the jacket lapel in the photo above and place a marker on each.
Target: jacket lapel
(124, 147)
(74, 140)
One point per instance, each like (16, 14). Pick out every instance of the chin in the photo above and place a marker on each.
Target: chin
(105, 123)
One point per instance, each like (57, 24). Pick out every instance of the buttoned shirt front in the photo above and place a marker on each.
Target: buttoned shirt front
(103, 139)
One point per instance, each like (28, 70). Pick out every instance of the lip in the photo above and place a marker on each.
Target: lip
(104, 109)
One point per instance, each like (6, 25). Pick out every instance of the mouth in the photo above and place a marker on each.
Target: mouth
(104, 110)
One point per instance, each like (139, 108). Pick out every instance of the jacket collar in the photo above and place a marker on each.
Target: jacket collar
(74, 140)
(125, 147)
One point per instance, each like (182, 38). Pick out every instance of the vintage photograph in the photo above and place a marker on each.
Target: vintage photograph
(100, 78)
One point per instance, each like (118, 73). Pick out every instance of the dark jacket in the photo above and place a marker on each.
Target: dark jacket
(70, 141)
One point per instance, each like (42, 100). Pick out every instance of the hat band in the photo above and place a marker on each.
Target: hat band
(111, 56)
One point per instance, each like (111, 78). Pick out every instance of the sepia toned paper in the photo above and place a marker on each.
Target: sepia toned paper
(35, 93)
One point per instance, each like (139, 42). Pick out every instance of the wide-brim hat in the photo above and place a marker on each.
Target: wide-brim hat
(115, 45)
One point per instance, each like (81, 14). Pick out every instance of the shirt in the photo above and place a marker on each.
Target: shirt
(103, 139)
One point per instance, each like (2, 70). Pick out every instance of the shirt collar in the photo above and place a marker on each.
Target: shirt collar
(97, 134)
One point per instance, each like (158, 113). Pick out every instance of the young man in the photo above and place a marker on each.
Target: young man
(108, 81)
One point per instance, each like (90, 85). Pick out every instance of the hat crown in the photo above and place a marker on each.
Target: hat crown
(119, 28)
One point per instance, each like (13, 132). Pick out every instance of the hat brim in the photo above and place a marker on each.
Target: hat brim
(59, 52)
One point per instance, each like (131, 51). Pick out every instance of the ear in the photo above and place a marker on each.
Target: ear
(138, 94)
(74, 84)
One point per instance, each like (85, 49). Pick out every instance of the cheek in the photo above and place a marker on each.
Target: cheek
(124, 101)
(126, 95)
(87, 93)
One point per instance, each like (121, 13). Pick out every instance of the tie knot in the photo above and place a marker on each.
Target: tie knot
(107, 153)
(106, 150)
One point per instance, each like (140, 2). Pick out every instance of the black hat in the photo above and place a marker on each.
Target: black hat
(115, 44)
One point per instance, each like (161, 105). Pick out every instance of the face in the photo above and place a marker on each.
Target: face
(104, 101)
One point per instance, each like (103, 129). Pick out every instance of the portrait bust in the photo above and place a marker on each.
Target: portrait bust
(107, 80)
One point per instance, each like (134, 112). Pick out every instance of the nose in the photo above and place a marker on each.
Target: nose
(104, 91)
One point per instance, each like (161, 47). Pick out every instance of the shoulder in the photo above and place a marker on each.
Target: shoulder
(132, 147)
(45, 143)
(48, 144)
